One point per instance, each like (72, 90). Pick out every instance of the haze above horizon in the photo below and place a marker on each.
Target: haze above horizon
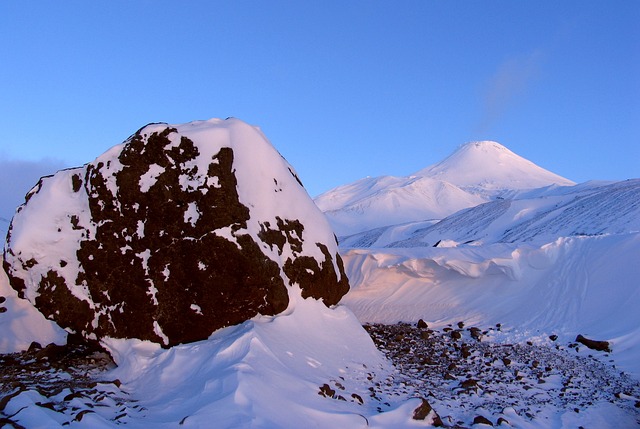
(342, 90)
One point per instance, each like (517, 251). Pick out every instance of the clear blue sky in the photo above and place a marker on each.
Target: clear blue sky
(343, 89)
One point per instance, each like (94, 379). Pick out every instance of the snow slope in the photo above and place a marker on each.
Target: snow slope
(379, 201)
(554, 260)
(541, 216)
(489, 166)
(578, 285)
(475, 173)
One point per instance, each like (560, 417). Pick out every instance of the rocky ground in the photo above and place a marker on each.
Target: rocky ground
(64, 379)
(465, 380)
(468, 381)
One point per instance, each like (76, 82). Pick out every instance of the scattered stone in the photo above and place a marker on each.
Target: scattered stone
(456, 335)
(469, 384)
(553, 337)
(34, 346)
(502, 420)
(476, 333)
(357, 397)
(460, 325)
(481, 420)
(422, 324)
(327, 391)
(52, 352)
(424, 411)
(602, 346)
(465, 351)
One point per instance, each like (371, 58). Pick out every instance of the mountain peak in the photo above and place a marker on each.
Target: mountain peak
(488, 165)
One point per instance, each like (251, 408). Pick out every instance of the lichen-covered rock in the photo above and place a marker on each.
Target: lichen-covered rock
(177, 232)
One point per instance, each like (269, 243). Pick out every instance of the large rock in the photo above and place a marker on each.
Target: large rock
(177, 232)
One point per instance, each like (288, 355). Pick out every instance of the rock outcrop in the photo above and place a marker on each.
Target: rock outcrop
(177, 232)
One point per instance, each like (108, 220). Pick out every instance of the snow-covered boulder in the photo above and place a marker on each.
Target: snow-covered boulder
(177, 232)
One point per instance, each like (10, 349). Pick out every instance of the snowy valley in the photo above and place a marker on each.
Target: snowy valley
(472, 277)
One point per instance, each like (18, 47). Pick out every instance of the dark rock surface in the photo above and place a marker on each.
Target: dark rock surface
(601, 346)
(170, 237)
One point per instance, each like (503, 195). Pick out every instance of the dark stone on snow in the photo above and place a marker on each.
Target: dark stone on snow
(422, 324)
(51, 352)
(482, 420)
(34, 346)
(602, 346)
(424, 410)
(502, 420)
(469, 384)
(327, 391)
(150, 271)
(476, 333)
(553, 337)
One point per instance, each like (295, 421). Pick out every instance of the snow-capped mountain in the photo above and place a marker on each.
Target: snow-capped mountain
(475, 173)
(487, 166)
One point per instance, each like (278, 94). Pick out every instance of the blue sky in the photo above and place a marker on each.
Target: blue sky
(343, 89)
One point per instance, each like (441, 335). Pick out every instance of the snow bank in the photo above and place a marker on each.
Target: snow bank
(264, 373)
(570, 286)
